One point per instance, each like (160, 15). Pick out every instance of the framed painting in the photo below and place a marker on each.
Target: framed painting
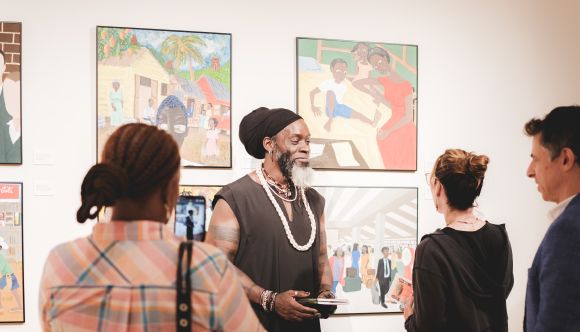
(359, 100)
(179, 81)
(178, 223)
(10, 95)
(11, 254)
(371, 235)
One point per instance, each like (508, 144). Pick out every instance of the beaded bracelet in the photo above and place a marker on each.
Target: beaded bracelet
(264, 299)
(268, 300)
(273, 301)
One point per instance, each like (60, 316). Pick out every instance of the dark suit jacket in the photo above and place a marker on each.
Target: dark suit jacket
(381, 270)
(553, 294)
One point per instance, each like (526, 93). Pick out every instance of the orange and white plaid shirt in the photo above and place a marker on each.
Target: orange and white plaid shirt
(122, 278)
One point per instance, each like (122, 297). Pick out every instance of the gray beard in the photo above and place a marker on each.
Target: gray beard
(301, 176)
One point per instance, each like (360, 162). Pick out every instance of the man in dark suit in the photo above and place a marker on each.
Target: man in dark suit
(384, 274)
(553, 295)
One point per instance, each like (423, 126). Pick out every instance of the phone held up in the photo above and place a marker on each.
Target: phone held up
(190, 217)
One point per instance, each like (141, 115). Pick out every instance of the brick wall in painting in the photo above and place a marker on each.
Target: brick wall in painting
(10, 34)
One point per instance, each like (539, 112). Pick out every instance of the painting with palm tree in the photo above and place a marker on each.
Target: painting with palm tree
(179, 81)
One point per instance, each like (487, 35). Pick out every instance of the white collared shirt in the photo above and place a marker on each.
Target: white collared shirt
(555, 212)
(387, 268)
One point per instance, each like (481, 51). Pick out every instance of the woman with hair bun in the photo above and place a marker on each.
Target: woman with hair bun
(123, 276)
(462, 273)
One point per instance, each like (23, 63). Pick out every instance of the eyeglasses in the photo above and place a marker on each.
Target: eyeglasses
(428, 178)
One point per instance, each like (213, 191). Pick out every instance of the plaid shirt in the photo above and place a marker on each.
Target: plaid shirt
(122, 278)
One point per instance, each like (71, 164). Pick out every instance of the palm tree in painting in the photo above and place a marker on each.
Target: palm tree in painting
(183, 50)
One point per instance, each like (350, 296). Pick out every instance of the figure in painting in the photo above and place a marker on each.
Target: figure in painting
(360, 52)
(171, 118)
(397, 138)
(334, 90)
(384, 275)
(5, 274)
(211, 139)
(355, 259)
(116, 101)
(149, 112)
(337, 265)
(365, 266)
(10, 142)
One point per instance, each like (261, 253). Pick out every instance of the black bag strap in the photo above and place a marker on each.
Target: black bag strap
(183, 310)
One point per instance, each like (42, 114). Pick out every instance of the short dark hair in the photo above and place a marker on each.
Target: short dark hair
(385, 248)
(336, 61)
(559, 129)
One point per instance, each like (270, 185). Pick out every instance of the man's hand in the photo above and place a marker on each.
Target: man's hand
(327, 294)
(287, 307)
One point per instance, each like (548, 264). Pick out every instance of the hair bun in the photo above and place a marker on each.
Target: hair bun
(476, 165)
(102, 186)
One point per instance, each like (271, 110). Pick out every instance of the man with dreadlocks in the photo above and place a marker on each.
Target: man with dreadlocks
(270, 223)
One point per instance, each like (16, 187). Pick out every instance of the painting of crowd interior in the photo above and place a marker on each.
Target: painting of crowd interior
(11, 259)
(359, 100)
(177, 223)
(367, 228)
(177, 80)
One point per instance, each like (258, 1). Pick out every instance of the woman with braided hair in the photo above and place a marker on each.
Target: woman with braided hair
(123, 275)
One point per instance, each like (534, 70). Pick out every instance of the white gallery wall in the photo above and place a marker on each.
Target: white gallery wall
(485, 68)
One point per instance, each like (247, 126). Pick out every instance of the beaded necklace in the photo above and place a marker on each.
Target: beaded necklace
(284, 192)
(289, 235)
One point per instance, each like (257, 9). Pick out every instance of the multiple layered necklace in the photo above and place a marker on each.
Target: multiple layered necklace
(268, 189)
(284, 191)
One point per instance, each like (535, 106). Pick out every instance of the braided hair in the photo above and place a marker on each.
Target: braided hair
(137, 160)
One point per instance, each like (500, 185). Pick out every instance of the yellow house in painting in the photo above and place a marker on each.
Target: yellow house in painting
(140, 77)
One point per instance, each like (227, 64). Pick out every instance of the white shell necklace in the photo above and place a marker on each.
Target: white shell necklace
(289, 235)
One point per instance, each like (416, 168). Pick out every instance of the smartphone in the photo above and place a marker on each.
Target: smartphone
(190, 217)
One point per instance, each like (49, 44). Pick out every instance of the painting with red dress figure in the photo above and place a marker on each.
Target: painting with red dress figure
(11, 255)
(359, 100)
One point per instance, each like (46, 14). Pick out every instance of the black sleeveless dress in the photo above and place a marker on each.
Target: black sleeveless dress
(264, 253)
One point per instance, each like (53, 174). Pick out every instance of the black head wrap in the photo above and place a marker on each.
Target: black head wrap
(261, 123)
